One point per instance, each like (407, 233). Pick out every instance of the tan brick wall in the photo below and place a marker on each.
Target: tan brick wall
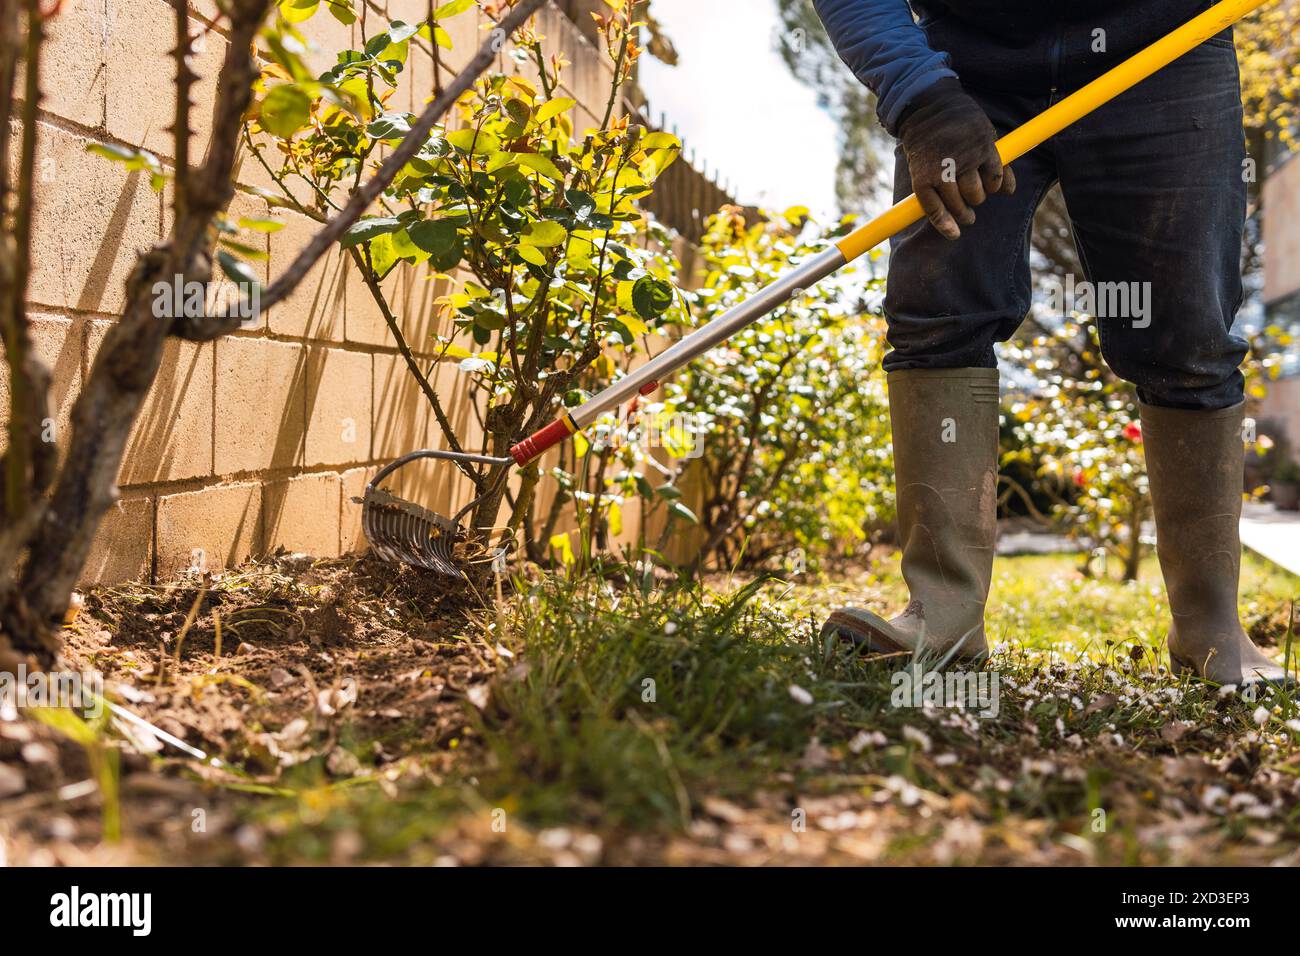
(261, 439)
(1282, 231)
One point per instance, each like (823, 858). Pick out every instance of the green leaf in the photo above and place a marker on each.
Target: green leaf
(389, 126)
(382, 253)
(582, 204)
(119, 154)
(531, 254)
(489, 319)
(518, 110)
(132, 158)
(435, 237)
(553, 108)
(285, 110)
(260, 225)
(236, 270)
(480, 141)
(634, 325)
(540, 164)
(544, 234)
(683, 512)
(399, 31)
(66, 722)
(452, 9)
(404, 248)
(342, 11)
(560, 543)
(364, 230)
(660, 141)
(296, 11)
(651, 297)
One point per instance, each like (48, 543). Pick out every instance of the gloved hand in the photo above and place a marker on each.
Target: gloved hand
(951, 152)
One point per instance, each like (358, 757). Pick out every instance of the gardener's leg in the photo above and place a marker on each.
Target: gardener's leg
(1154, 183)
(946, 303)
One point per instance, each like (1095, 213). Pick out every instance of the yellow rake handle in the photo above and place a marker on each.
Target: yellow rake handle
(1075, 106)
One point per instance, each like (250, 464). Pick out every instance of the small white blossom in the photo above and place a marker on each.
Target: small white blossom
(800, 695)
(918, 737)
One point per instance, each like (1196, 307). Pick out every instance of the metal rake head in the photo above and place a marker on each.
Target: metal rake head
(401, 531)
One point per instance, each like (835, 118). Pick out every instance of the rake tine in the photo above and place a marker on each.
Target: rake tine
(401, 531)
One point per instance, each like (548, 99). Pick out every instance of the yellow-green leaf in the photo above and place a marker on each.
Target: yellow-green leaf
(478, 141)
(554, 108)
(661, 141)
(624, 296)
(540, 164)
(531, 254)
(544, 234)
(260, 225)
(560, 543)
(452, 8)
(296, 11)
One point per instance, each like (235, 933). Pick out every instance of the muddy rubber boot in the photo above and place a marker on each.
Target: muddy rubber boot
(1195, 465)
(945, 428)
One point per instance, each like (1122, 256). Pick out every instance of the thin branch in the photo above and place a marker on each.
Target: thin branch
(185, 79)
(368, 276)
(27, 465)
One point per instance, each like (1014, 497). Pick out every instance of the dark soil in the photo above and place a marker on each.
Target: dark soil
(314, 657)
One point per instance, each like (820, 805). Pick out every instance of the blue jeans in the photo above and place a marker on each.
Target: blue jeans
(1155, 186)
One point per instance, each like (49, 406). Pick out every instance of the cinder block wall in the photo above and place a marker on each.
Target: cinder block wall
(1282, 231)
(260, 439)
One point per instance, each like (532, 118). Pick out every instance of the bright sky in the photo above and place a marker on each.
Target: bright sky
(735, 102)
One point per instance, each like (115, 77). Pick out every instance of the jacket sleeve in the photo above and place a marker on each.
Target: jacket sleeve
(885, 49)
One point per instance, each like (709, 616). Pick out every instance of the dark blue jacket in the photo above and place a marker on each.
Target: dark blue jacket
(1017, 46)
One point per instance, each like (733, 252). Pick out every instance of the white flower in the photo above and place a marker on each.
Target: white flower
(864, 739)
(800, 695)
(918, 737)
(1213, 797)
(1260, 716)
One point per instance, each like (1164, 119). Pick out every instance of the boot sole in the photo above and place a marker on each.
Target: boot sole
(1183, 668)
(857, 632)
(870, 639)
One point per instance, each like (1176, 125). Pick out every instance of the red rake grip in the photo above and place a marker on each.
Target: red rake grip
(534, 445)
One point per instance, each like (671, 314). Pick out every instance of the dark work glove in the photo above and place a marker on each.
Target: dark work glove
(951, 153)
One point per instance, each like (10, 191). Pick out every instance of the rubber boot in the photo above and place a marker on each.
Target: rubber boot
(945, 428)
(1195, 463)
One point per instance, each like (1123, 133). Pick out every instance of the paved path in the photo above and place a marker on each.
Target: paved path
(1034, 542)
(1272, 534)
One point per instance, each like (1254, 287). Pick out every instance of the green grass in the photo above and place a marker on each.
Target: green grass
(625, 713)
